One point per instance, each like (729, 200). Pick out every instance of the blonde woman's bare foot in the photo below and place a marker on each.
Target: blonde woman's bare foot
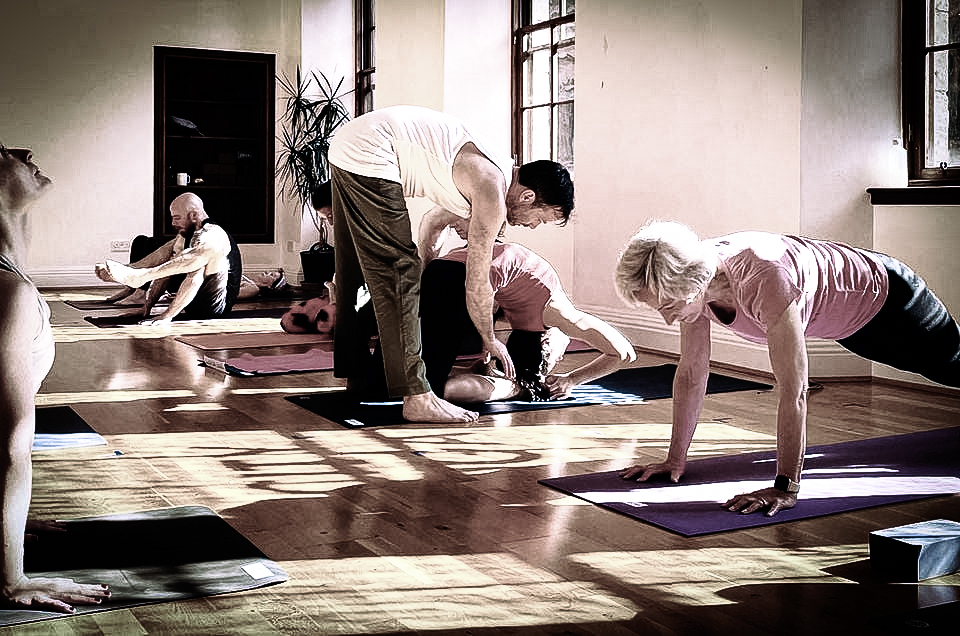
(427, 407)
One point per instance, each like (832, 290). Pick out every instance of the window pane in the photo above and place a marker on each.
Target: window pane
(543, 10)
(565, 33)
(568, 7)
(563, 72)
(563, 136)
(942, 121)
(536, 134)
(943, 21)
(536, 77)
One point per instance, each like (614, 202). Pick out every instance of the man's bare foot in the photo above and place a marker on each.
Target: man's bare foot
(120, 295)
(427, 407)
(121, 273)
(138, 297)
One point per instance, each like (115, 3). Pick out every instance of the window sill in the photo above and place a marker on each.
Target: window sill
(917, 195)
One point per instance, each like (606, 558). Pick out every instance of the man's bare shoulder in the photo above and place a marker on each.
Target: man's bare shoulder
(472, 167)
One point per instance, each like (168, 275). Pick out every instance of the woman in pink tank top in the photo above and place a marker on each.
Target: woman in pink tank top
(779, 289)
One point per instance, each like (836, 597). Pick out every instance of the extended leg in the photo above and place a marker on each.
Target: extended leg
(913, 331)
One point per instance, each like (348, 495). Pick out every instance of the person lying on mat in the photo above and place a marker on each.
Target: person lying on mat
(777, 289)
(316, 315)
(527, 290)
(26, 355)
(210, 263)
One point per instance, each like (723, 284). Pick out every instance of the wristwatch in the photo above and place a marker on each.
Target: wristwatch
(786, 484)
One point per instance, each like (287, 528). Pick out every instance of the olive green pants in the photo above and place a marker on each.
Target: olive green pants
(374, 245)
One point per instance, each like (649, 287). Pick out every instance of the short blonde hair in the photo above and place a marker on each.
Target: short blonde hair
(667, 259)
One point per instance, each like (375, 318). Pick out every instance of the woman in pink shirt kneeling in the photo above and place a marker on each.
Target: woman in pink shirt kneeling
(778, 289)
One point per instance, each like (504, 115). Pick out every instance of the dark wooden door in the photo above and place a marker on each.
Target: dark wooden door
(214, 122)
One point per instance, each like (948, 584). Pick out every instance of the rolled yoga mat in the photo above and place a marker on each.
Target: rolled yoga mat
(156, 556)
(623, 386)
(836, 478)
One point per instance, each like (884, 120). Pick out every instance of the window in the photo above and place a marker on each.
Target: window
(931, 90)
(366, 56)
(543, 81)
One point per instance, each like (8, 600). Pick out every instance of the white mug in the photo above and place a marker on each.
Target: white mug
(183, 178)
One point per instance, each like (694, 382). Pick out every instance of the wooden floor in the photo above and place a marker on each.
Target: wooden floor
(443, 529)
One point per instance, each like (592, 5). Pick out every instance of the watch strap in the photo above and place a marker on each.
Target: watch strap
(786, 484)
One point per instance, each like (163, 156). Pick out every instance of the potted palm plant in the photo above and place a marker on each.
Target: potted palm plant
(313, 111)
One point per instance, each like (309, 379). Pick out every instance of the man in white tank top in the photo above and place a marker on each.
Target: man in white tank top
(376, 161)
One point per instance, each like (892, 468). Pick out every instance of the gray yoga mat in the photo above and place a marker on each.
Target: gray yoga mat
(156, 556)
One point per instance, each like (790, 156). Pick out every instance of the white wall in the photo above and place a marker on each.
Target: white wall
(78, 88)
(850, 115)
(926, 239)
(688, 111)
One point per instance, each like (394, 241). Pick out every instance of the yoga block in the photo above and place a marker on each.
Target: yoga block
(917, 551)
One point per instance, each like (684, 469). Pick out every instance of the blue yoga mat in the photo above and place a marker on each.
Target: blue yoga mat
(836, 478)
(60, 427)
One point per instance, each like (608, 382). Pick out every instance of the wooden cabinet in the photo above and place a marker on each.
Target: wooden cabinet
(215, 123)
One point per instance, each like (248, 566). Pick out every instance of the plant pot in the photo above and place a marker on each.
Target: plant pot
(317, 264)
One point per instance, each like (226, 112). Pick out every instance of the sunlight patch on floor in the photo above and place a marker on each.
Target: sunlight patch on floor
(85, 333)
(289, 389)
(89, 397)
(200, 406)
(479, 450)
(449, 592)
(813, 488)
(235, 468)
(697, 577)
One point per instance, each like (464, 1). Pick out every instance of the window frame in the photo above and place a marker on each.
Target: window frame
(521, 10)
(365, 41)
(914, 50)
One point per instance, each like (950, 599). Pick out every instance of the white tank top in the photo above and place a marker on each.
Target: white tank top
(42, 347)
(412, 146)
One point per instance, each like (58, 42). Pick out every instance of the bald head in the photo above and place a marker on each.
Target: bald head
(186, 211)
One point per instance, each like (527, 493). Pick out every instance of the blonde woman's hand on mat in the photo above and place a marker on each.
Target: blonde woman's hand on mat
(772, 500)
(52, 595)
(673, 468)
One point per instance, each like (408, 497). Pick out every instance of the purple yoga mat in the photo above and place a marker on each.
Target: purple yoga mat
(836, 478)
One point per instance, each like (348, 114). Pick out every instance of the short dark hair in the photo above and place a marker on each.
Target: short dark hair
(551, 183)
(526, 351)
(321, 196)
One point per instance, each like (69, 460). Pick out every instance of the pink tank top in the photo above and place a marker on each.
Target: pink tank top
(522, 283)
(840, 288)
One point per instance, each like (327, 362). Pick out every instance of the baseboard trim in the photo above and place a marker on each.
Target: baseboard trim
(60, 277)
(647, 331)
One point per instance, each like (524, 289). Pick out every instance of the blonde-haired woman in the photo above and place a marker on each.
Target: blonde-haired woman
(777, 289)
